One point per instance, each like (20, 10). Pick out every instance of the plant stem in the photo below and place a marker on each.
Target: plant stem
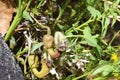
(114, 38)
(75, 36)
(21, 52)
(82, 25)
(20, 59)
(16, 20)
(61, 11)
(28, 5)
(40, 24)
(78, 78)
(14, 24)
(40, 4)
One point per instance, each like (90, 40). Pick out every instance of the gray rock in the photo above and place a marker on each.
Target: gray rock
(9, 69)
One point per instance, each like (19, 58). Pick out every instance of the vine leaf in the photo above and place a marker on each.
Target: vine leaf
(91, 40)
(35, 46)
(104, 68)
(94, 12)
(27, 16)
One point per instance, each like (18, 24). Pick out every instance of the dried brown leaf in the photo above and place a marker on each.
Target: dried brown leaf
(6, 11)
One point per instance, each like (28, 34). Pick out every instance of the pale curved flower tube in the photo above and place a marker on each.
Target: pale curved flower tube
(60, 41)
(33, 63)
(53, 54)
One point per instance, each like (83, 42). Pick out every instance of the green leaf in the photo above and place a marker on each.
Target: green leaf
(12, 42)
(114, 18)
(100, 69)
(88, 1)
(107, 70)
(105, 23)
(99, 51)
(73, 12)
(91, 40)
(70, 77)
(92, 57)
(68, 34)
(106, 6)
(36, 46)
(104, 68)
(94, 12)
(62, 27)
(27, 16)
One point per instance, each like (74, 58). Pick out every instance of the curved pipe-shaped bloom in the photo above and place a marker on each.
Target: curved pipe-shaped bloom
(33, 63)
